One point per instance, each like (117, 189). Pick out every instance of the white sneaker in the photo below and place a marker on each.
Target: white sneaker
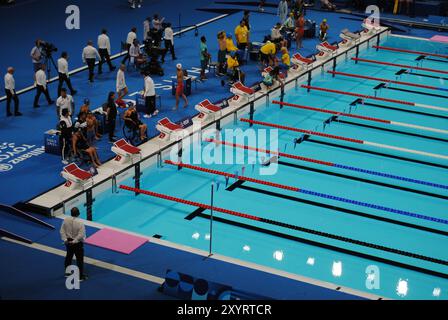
(64, 161)
(139, 5)
(133, 6)
(155, 113)
(147, 116)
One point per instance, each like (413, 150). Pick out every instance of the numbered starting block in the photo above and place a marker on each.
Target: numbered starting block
(76, 178)
(369, 28)
(242, 94)
(301, 62)
(125, 152)
(208, 111)
(169, 130)
(325, 50)
(348, 38)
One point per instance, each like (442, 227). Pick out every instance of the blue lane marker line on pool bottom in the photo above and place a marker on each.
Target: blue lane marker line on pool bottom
(391, 176)
(373, 206)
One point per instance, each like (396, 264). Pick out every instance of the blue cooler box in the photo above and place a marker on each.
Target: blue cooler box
(52, 142)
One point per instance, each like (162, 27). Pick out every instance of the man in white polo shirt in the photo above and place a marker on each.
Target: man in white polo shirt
(41, 86)
(65, 101)
(150, 96)
(104, 51)
(122, 88)
(10, 90)
(63, 74)
(169, 40)
(132, 35)
(89, 55)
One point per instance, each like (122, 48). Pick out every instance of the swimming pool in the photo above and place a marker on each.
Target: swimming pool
(368, 216)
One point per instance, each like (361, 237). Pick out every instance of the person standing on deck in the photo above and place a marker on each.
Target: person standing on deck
(180, 87)
(73, 233)
(282, 11)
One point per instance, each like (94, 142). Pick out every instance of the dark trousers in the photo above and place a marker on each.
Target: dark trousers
(64, 78)
(66, 147)
(150, 104)
(91, 65)
(39, 91)
(127, 57)
(105, 57)
(76, 250)
(169, 46)
(111, 127)
(9, 97)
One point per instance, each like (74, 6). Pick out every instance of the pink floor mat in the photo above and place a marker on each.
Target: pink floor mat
(116, 241)
(440, 38)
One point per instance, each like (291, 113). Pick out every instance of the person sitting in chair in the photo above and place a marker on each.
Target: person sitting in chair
(233, 69)
(79, 144)
(132, 121)
(136, 55)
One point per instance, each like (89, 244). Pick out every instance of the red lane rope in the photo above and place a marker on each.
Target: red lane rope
(233, 176)
(281, 154)
(383, 80)
(330, 112)
(399, 65)
(358, 95)
(411, 51)
(315, 133)
(190, 203)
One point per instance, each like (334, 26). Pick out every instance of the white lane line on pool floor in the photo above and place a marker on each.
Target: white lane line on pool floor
(94, 262)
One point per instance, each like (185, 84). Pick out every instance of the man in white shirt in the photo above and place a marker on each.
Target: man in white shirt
(65, 101)
(169, 40)
(37, 56)
(73, 233)
(122, 88)
(104, 51)
(41, 87)
(63, 74)
(134, 51)
(150, 97)
(132, 35)
(10, 90)
(282, 11)
(89, 55)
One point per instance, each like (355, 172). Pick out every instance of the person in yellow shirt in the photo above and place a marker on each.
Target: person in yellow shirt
(222, 51)
(230, 45)
(286, 60)
(242, 35)
(233, 68)
(268, 53)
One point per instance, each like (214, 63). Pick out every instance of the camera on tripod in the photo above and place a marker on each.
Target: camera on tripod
(154, 53)
(48, 48)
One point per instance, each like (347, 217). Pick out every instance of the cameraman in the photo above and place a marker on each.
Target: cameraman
(63, 74)
(37, 55)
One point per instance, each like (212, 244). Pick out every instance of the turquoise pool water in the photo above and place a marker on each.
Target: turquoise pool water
(273, 246)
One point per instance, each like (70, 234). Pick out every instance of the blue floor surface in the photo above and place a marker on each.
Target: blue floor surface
(150, 258)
